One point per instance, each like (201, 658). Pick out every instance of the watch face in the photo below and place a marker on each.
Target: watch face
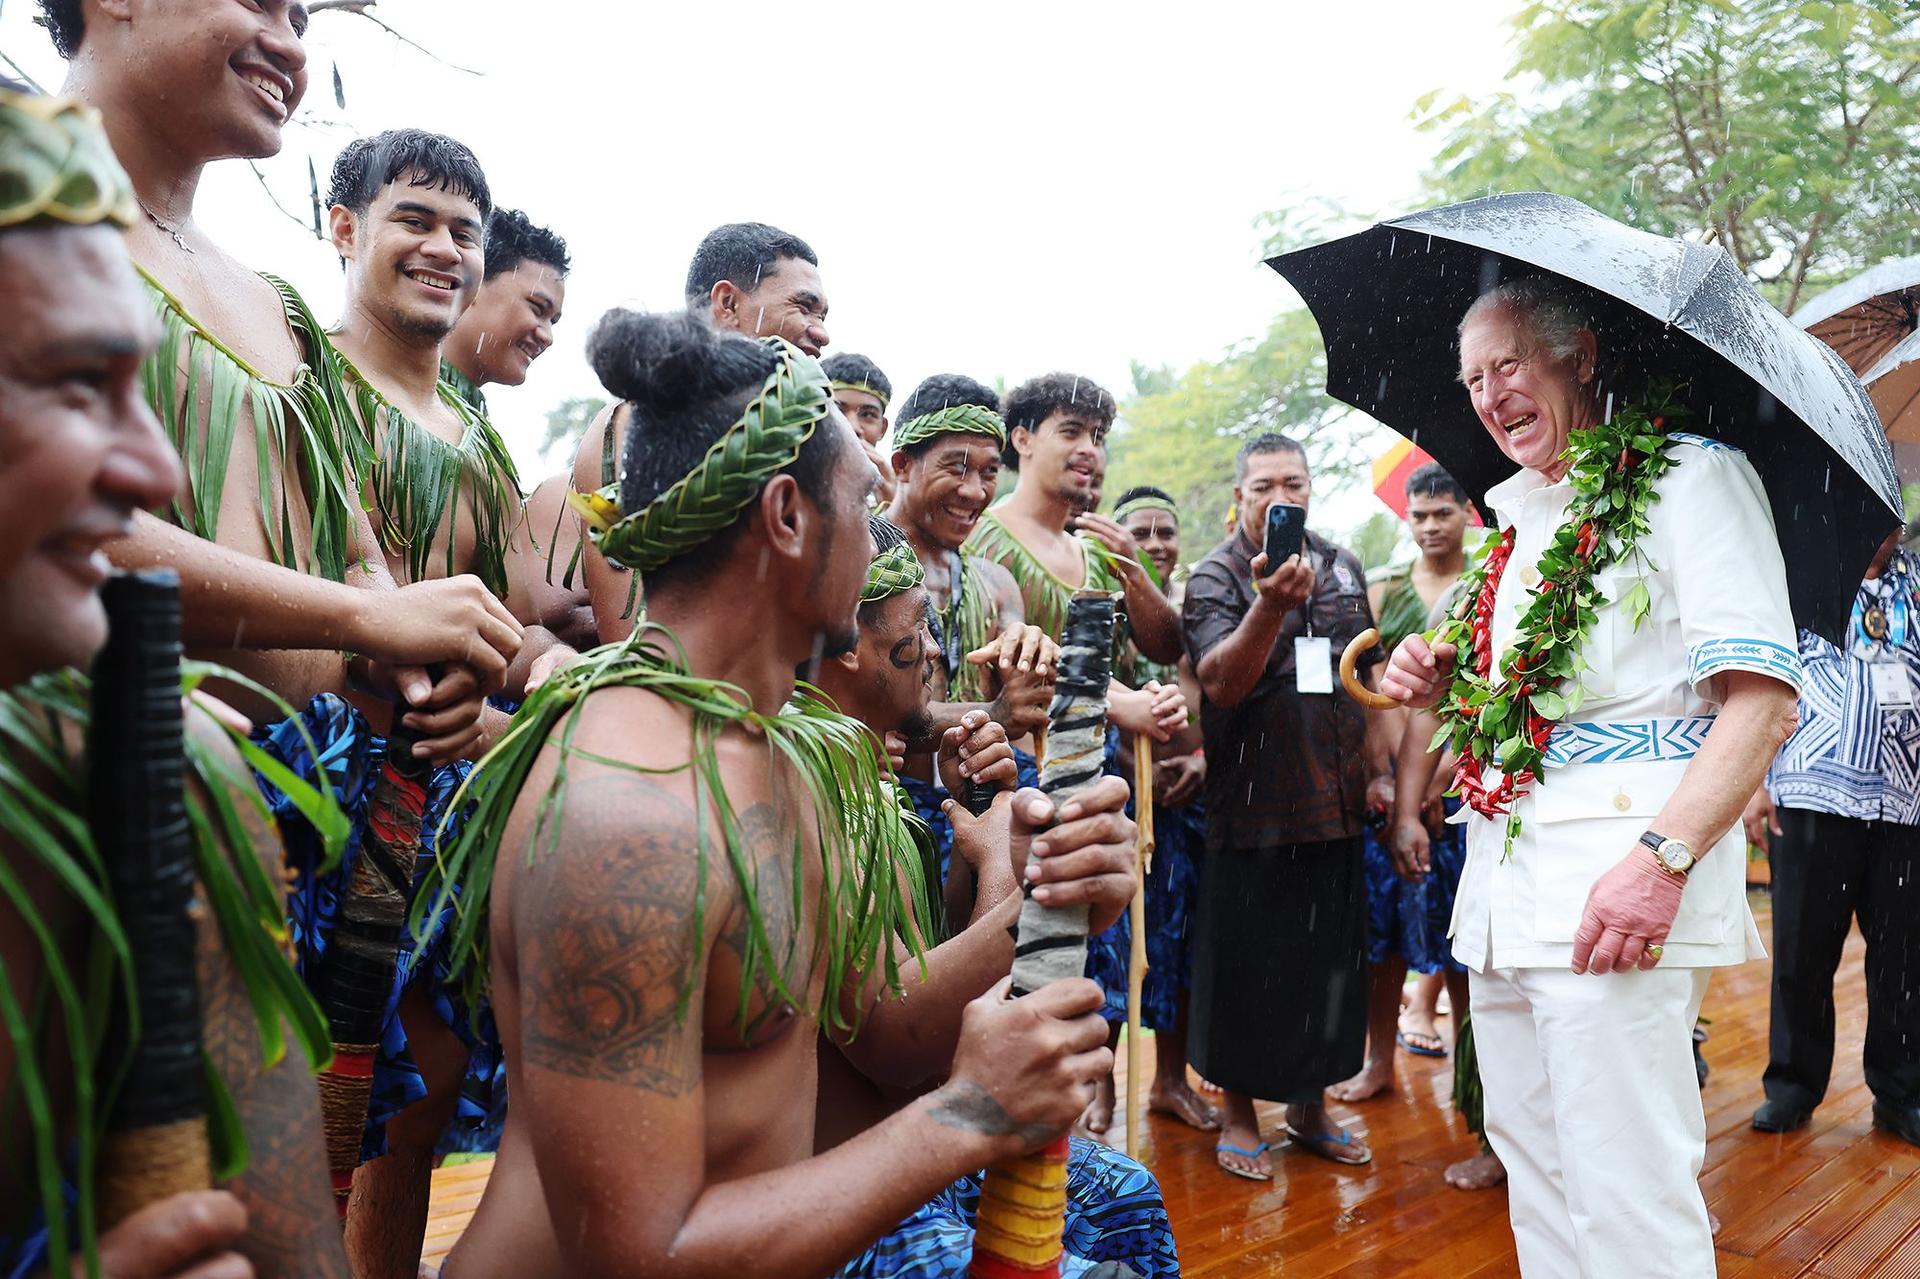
(1676, 855)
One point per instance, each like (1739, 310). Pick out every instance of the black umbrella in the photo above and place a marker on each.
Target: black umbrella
(1389, 299)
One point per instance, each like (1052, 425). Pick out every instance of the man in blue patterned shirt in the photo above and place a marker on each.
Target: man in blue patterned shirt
(1841, 810)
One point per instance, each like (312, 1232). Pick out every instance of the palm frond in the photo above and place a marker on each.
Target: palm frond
(416, 481)
(42, 788)
(201, 389)
(874, 882)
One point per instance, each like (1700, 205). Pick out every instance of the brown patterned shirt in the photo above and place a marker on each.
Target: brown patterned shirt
(1283, 767)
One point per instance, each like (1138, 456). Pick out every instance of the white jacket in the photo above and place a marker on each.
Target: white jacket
(1719, 602)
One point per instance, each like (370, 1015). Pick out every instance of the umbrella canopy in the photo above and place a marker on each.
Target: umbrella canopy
(1894, 384)
(1866, 317)
(1388, 301)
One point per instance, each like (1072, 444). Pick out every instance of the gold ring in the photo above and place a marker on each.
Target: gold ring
(1656, 951)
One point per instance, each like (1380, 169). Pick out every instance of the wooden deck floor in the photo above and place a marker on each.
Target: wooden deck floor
(1835, 1200)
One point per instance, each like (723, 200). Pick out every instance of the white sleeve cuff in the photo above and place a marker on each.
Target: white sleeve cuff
(1763, 657)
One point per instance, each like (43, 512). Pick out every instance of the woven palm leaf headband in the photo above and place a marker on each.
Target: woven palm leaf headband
(56, 165)
(864, 389)
(1145, 502)
(966, 419)
(893, 570)
(765, 441)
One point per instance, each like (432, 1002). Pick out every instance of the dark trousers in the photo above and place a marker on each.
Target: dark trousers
(1827, 870)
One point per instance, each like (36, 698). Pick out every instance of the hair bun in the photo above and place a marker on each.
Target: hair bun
(669, 362)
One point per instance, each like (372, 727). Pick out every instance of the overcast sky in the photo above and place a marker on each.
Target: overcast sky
(1000, 190)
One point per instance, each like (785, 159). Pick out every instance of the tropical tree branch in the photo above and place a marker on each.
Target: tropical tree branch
(362, 8)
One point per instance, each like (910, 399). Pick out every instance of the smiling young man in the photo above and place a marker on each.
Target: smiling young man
(507, 327)
(746, 277)
(268, 559)
(408, 216)
(511, 320)
(1057, 428)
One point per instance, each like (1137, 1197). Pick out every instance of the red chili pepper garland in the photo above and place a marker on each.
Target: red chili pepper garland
(1504, 720)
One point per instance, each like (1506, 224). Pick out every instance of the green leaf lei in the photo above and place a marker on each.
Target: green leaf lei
(874, 886)
(1503, 720)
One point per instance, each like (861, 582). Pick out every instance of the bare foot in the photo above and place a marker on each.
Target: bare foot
(1374, 1079)
(1482, 1172)
(1184, 1104)
(1207, 1086)
(1099, 1116)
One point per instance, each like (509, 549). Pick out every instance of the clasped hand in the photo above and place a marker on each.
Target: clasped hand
(1083, 854)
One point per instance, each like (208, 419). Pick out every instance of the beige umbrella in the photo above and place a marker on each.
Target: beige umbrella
(1865, 317)
(1893, 383)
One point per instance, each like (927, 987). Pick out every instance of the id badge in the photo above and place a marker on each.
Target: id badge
(1892, 687)
(1312, 664)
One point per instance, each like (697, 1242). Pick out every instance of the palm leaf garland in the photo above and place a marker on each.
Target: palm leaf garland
(465, 387)
(1046, 596)
(967, 622)
(43, 785)
(416, 481)
(872, 885)
(201, 389)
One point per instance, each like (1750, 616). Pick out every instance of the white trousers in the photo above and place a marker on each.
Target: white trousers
(1592, 1104)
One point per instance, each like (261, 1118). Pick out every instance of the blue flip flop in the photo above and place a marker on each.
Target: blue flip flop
(1338, 1149)
(1419, 1050)
(1224, 1149)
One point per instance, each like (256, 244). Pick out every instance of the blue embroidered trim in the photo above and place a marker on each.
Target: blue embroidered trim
(1622, 740)
(1704, 441)
(1762, 656)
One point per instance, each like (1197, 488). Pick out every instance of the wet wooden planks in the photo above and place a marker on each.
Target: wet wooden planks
(1835, 1200)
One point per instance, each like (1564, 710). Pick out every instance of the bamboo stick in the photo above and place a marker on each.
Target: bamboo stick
(1137, 916)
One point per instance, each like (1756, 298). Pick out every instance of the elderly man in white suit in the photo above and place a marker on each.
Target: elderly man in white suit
(1591, 940)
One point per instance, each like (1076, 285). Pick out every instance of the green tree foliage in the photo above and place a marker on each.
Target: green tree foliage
(1376, 540)
(1786, 127)
(1180, 431)
(567, 421)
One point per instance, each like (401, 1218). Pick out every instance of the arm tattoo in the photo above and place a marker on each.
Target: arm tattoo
(606, 942)
(971, 1108)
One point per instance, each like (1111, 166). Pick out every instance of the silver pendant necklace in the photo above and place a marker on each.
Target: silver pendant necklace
(169, 230)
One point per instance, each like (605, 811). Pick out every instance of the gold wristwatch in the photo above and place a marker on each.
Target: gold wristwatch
(1674, 855)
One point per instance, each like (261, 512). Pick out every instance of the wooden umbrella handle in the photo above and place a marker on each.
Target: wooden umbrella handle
(1360, 692)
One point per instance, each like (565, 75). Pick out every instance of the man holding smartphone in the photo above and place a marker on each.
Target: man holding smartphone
(1279, 999)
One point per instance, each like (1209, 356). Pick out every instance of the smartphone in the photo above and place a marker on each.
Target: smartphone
(1286, 531)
